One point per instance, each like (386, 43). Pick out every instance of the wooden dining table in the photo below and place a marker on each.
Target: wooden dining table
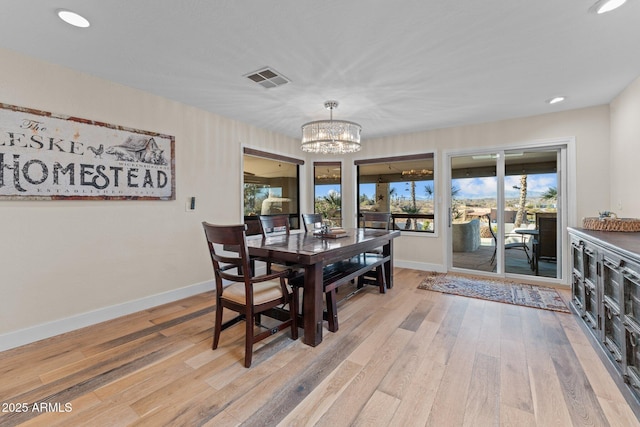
(314, 252)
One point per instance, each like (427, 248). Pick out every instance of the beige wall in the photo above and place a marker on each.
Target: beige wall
(625, 152)
(589, 127)
(65, 258)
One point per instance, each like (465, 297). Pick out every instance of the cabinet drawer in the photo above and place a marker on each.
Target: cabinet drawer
(576, 255)
(613, 332)
(631, 286)
(590, 262)
(577, 290)
(611, 277)
(632, 338)
(591, 305)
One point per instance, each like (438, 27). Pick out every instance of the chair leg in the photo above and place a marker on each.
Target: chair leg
(218, 325)
(301, 309)
(248, 347)
(332, 310)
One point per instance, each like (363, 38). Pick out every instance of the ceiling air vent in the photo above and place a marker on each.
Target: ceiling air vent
(267, 78)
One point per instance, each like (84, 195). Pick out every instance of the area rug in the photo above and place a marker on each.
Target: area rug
(495, 290)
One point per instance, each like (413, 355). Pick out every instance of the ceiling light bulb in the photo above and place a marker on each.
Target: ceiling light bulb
(73, 18)
(604, 6)
(556, 99)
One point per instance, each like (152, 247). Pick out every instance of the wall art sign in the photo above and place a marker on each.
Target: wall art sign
(46, 156)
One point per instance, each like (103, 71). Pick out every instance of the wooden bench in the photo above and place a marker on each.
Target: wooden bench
(341, 273)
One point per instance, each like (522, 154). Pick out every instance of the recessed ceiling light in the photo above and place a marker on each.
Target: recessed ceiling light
(73, 18)
(556, 99)
(604, 6)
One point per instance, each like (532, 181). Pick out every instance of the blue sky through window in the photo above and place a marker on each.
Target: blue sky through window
(481, 188)
(470, 188)
(324, 189)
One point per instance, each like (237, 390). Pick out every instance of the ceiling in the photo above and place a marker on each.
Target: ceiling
(395, 67)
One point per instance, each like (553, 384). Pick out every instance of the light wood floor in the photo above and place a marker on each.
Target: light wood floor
(406, 358)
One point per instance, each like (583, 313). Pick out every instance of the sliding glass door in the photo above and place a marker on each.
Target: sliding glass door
(473, 197)
(504, 212)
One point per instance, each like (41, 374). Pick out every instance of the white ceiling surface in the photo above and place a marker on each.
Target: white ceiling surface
(394, 66)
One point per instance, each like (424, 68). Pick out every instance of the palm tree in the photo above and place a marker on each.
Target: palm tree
(520, 215)
(329, 205)
(551, 194)
(428, 190)
(455, 203)
(393, 194)
(413, 194)
(413, 208)
(334, 199)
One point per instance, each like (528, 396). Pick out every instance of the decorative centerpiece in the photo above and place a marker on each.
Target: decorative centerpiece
(609, 221)
(330, 232)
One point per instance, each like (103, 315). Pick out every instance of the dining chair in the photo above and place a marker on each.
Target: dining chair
(238, 290)
(375, 277)
(376, 220)
(275, 225)
(546, 241)
(520, 242)
(312, 221)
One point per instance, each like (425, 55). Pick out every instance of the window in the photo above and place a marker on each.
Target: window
(327, 188)
(271, 187)
(401, 185)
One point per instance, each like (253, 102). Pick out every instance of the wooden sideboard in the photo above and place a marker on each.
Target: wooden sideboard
(605, 291)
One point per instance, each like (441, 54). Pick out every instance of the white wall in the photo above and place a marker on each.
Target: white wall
(69, 263)
(64, 258)
(625, 152)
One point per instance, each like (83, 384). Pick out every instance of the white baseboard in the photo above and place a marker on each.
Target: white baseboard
(423, 266)
(57, 327)
(47, 330)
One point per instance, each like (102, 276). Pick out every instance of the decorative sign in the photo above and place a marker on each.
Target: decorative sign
(44, 156)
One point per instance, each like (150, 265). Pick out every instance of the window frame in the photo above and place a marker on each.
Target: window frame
(433, 218)
(252, 221)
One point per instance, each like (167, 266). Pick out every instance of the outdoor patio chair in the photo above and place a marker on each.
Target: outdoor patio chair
(512, 241)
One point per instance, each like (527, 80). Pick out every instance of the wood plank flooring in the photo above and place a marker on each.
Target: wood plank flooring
(406, 358)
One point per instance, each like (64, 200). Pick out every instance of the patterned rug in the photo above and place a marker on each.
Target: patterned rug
(495, 290)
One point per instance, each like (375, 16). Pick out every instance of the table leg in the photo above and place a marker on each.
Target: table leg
(387, 250)
(313, 304)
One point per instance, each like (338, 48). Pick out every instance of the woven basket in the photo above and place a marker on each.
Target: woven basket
(611, 224)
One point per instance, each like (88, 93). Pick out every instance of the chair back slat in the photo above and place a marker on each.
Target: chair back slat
(377, 220)
(273, 225)
(547, 235)
(312, 221)
(224, 238)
